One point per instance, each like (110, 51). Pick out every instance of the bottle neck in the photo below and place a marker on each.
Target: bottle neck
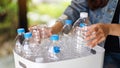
(54, 41)
(86, 20)
(20, 33)
(27, 40)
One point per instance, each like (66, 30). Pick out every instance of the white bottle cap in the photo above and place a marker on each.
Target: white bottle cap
(83, 14)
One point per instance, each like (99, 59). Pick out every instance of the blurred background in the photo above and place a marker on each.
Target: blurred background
(24, 13)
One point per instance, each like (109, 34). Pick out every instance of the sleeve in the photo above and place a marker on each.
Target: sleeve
(73, 11)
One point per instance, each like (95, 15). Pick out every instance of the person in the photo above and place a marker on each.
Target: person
(104, 17)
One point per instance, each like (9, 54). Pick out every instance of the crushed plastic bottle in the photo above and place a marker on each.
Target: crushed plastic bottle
(81, 44)
(54, 50)
(27, 52)
(67, 27)
(19, 40)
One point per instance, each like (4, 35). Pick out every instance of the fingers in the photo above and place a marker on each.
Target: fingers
(93, 39)
(41, 30)
(96, 39)
(95, 35)
(91, 30)
(32, 27)
(92, 34)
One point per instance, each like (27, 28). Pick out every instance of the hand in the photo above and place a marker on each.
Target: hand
(42, 30)
(96, 34)
(55, 29)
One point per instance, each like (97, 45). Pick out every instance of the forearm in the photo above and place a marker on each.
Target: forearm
(114, 29)
(57, 27)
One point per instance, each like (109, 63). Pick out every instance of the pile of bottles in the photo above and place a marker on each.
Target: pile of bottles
(39, 46)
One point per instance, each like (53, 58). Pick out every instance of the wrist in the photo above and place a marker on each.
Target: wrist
(57, 27)
(108, 27)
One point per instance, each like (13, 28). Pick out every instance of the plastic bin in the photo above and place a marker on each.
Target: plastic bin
(92, 61)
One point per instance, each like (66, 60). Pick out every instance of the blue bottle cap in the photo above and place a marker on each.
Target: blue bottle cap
(54, 37)
(56, 49)
(28, 35)
(82, 25)
(69, 22)
(20, 31)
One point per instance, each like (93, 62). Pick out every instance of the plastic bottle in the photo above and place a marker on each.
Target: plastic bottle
(68, 48)
(32, 49)
(27, 52)
(81, 44)
(35, 40)
(83, 19)
(67, 27)
(65, 31)
(19, 40)
(39, 42)
(44, 34)
(54, 51)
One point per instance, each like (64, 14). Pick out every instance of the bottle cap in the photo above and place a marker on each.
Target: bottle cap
(83, 14)
(54, 37)
(82, 25)
(69, 22)
(20, 31)
(56, 49)
(28, 35)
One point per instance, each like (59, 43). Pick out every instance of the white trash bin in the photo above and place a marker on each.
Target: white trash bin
(92, 61)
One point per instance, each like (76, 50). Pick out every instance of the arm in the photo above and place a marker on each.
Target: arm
(72, 13)
(57, 27)
(114, 29)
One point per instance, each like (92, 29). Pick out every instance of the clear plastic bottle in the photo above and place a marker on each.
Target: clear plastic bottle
(19, 40)
(83, 19)
(67, 27)
(68, 48)
(54, 50)
(65, 31)
(27, 52)
(35, 40)
(39, 42)
(81, 44)
(44, 34)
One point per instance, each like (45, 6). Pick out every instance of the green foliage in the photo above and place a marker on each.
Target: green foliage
(53, 10)
(9, 8)
(8, 13)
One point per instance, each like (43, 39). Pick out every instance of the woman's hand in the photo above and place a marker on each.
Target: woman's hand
(55, 29)
(41, 30)
(96, 34)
